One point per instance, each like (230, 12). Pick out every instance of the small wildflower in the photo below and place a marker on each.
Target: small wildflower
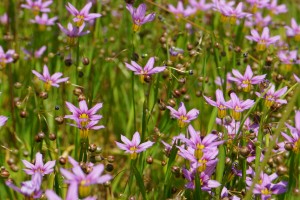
(37, 6)
(288, 58)
(139, 16)
(264, 40)
(72, 32)
(220, 103)
(294, 139)
(276, 9)
(297, 78)
(265, 187)
(238, 106)
(294, 30)
(83, 15)
(200, 5)
(179, 11)
(258, 4)
(30, 189)
(51, 195)
(3, 120)
(80, 183)
(133, 147)
(37, 54)
(49, 80)
(247, 80)
(230, 14)
(182, 115)
(6, 57)
(148, 70)
(175, 52)
(43, 21)
(273, 96)
(4, 19)
(259, 21)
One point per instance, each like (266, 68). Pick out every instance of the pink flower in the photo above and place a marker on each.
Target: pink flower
(134, 146)
(37, 54)
(49, 80)
(182, 115)
(43, 21)
(3, 120)
(288, 57)
(73, 32)
(238, 106)
(83, 15)
(247, 80)
(276, 9)
(37, 6)
(294, 30)
(179, 11)
(264, 40)
(273, 96)
(6, 57)
(220, 103)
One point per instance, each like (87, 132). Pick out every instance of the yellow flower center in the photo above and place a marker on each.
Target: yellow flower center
(236, 114)
(296, 148)
(261, 45)
(232, 19)
(202, 166)
(136, 27)
(224, 18)
(2, 62)
(269, 101)
(81, 20)
(36, 10)
(221, 111)
(266, 192)
(71, 41)
(83, 189)
(181, 122)
(133, 155)
(84, 119)
(297, 37)
(248, 86)
(254, 8)
(198, 152)
(48, 85)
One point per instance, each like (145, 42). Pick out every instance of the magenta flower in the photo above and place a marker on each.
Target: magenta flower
(133, 147)
(200, 5)
(83, 15)
(49, 80)
(206, 183)
(72, 32)
(276, 9)
(3, 120)
(6, 57)
(288, 57)
(179, 11)
(238, 106)
(247, 80)
(220, 103)
(259, 21)
(139, 16)
(294, 30)
(43, 21)
(37, 54)
(51, 195)
(182, 115)
(231, 14)
(265, 188)
(4, 19)
(264, 40)
(147, 71)
(80, 183)
(37, 6)
(297, 78)
(273, 96)
(30, 189)
(294, 139)
(39, 168)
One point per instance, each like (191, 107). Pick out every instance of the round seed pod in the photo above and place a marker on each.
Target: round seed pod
(4, 173)
(14, 168)
(176, 93)
(163, 162)
(43, 95)
(149, 160)
(85, 61)
(278, 159)
(81, 97)
(109, 167)
(18, 85)
(59, 119)
(62, 160)
(288, 146)
(92, 147)
(23, 114)
(68, 61)
(110, 158)
(41, 135)
(77, 91)
(52, 136)
(281, 170)
(172, 102)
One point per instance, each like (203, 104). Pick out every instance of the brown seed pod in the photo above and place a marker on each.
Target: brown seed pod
(288, 146)
(85, 61)
(244, 151)
(59, 119)
(149, 160)
(110, 158)
(62, 160)
(77, 91)
(43, 95)
(92, 147)
(163, 162)
(52, 136)
(23, 114)
(4, 173)
(109, 167)
(278, 159)
(281, 170)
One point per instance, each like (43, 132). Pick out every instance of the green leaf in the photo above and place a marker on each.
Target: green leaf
(139, 180)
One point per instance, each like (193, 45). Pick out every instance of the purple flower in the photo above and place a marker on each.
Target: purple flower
(265, 187)
(31, 189)
(238, 106)
(37, 54)
(247, 80)
(174, 141)
(6, 57)
(43, 21)
(294, 30)
(273, 96)
(220, 103)
(174, 52)
(39, 167)
(72, 32)
(4, 19)
(294, 139)
(231, 14)
(297, 78)
(200, 5)
(82, 15)
(133, 147)
(182, 115)
(51, 195)
(139, 16)
(225, 194)
(259, 20)
(3, 120)
(264, 40)
(179, 11)
(258, 4)
(147, 71)
(37, 6)
(49, 80)
(288, 57)
(206, 183)
(276, 9)
(80, 183)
